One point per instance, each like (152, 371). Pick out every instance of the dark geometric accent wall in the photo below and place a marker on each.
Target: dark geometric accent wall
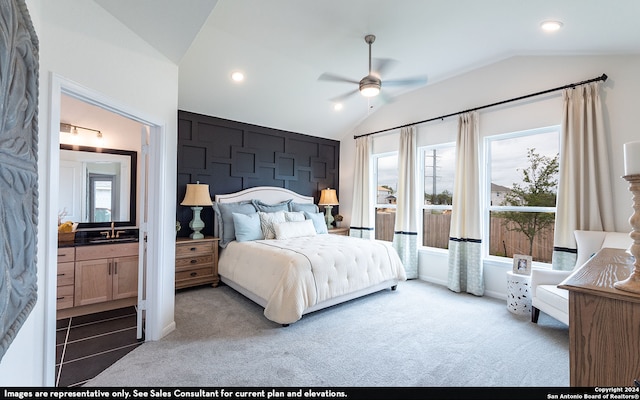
(230, 156)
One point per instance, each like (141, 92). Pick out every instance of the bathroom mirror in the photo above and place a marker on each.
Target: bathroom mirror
(97, 186)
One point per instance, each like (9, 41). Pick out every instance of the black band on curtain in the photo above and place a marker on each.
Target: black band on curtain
(565, 250)
(466, 240)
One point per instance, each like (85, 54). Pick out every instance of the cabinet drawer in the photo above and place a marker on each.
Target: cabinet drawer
(194, 262)
(66, 272)
(66, 254)
(197, 274)
(64, 298)
(106, 251)
(186, 249)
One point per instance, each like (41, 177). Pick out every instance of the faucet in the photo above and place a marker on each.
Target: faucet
(112, 234)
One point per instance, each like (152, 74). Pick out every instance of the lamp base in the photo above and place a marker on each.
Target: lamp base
(328, 217)
(196, 224)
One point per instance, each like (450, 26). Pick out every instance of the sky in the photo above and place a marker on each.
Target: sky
(508, 158)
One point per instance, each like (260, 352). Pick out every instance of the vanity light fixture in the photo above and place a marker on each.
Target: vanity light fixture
(197, 195)
(73, 129)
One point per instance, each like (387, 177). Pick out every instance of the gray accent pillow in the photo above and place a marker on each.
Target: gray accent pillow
(308, 207)
(224, 216)
(318, 221)
(264, 207)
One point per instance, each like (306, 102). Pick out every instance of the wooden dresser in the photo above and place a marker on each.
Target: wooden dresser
(196, 262)
(604, 322)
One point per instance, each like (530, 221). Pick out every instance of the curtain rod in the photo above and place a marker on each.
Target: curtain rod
(603, 78)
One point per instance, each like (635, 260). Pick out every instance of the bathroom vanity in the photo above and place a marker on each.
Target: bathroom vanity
(97, 274)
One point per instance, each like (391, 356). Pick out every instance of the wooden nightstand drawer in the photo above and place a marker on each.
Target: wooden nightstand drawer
(200, 273)
(196, 262)
(339, 231)
(187, 249)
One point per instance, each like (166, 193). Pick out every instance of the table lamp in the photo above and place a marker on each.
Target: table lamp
(328, 199)
(197, 195)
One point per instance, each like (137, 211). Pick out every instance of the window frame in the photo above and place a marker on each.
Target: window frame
(488, 208)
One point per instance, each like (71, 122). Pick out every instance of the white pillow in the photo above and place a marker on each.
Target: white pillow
(293, 216)
(288, 230)
(267, 222)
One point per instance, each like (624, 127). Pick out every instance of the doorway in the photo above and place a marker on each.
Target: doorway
(148, 138)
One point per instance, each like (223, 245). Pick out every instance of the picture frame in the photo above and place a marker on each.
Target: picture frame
(522, 264)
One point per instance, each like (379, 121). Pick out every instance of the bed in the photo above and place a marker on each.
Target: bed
(290, 265)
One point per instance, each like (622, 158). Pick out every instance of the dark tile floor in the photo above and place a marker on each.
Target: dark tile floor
(87, 345)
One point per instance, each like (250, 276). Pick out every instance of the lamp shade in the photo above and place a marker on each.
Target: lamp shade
(328, 198)
(197, 195)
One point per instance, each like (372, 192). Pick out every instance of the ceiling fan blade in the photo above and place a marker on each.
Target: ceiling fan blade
(405, 82)
(343, 97)
(386, 99)
(336, 78)
(382, 65)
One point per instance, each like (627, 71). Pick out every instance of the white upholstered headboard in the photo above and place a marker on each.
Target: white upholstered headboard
(266, 194)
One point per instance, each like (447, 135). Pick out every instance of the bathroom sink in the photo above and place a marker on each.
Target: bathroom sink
(114, 240)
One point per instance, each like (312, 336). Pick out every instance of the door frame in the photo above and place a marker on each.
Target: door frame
(154, 329)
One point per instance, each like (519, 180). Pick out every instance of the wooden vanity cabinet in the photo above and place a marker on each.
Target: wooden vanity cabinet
(65, 278)
(105, 272)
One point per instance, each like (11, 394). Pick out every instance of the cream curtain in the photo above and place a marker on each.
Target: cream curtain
(584, 187)
(465, 261)
(405, 235)
(362, 219)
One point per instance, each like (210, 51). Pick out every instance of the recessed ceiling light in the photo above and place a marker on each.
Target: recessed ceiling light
(237, 76)
(550, 26)
(337, 106)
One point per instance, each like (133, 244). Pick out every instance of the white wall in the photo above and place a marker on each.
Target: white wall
(81, 42)
(507, 79)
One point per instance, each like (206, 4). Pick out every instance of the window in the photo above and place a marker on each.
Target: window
(386, 182)
(439, 163)
(522, 185)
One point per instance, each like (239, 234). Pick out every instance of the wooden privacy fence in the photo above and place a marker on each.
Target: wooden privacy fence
(503, 243)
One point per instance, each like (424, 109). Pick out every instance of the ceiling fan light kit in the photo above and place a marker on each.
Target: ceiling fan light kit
(370, 85)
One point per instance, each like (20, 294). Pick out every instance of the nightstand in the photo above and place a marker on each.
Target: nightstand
(339, 231)
(196, 262)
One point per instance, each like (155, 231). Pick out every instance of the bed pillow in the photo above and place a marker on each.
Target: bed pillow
(247, 227)
(264, 207)
(294, 229)
(267, 222)
(308, 207)
(224, 217)
(292, 216)
(318, 221)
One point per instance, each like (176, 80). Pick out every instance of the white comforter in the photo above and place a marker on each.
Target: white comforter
(293, 275)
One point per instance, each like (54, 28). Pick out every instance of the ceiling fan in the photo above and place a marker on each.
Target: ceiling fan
(370, 85)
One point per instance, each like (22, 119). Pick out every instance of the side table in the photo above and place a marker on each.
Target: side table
(519, 293)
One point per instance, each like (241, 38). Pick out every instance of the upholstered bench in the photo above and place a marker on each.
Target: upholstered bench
(546, 296)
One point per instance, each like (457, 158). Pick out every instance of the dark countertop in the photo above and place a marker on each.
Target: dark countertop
(94, 238)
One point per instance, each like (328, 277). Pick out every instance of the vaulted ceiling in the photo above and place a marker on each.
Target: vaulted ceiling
(283, 46)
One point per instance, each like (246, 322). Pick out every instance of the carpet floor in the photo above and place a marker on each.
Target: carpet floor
(421, 335)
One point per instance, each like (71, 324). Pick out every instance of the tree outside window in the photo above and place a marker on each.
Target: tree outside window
(524, 181)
